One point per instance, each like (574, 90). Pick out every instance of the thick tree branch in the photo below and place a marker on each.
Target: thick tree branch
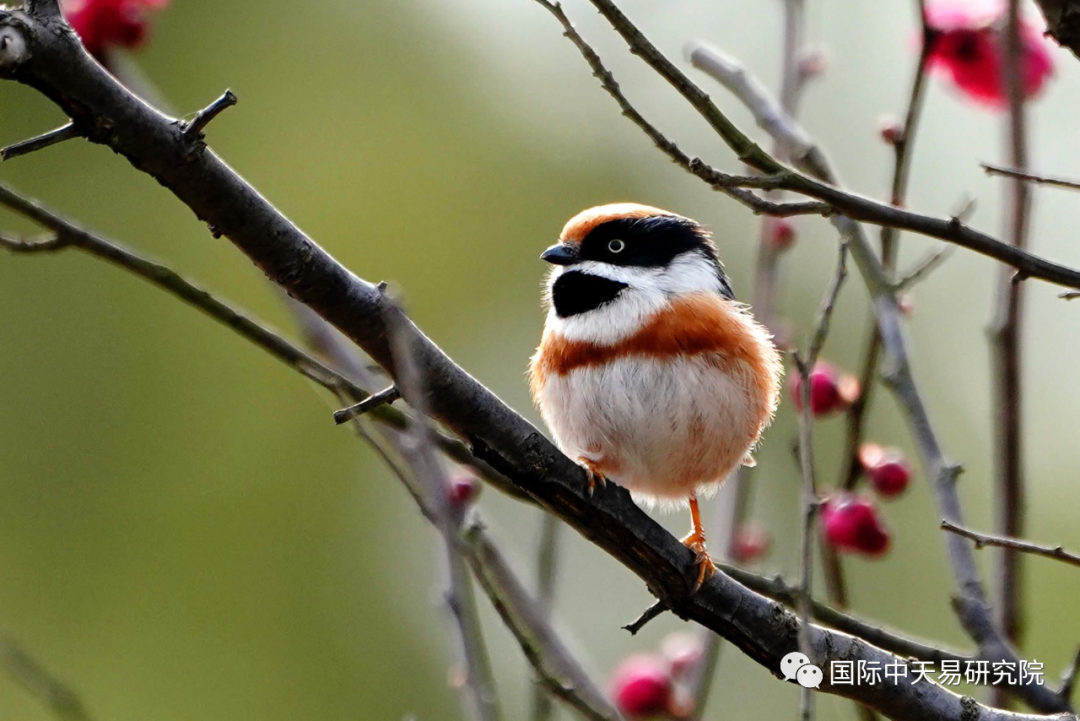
(1063, 22)
(54, 63)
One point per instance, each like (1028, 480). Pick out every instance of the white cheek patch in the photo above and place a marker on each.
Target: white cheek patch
(690, 273)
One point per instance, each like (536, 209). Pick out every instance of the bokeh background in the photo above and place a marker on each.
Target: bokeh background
(183, 532)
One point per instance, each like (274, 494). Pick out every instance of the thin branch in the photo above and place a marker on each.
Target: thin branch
(972, 606)
(418, 450)
(811, 502)
(556, 666)
(924, 267)
(1068, 683)
(762, 629)
(727, 184)
(41, 683)
(1056, 182)
(194, 129)
(557, 670)
(856, 207)
(810, 508)
(375, 400)
(903, 155)
(653, 611)
(65, 132)
(1005, 335)
(1057, 553)
(69, 235)
(547, 562)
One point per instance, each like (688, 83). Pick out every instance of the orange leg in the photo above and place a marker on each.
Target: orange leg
(696, 543)
(596, 478)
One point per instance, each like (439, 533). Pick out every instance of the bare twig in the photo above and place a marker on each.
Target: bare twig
(856, 207)
(1030, 177)
(719, 181)
(903, 154)
(811, 502)
(194, 129)
(1005, 334)
(763, 299)
(647, 615)
(547, 561)
(383, 397)
(69, 235)
(923, 268)
(1068, 682)
(41, 683)
(1057, 553)
(972, 604)
(418, 450)
(557, 670)
(65, 132)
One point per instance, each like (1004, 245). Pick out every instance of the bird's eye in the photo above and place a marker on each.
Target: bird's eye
(616, 246)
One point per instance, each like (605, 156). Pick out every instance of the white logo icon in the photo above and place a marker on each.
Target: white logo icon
(791, 664)
(797, 667)
(809, 676)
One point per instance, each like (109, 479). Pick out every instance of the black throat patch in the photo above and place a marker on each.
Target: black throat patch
(575, 292)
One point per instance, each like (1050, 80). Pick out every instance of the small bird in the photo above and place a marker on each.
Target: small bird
(649, 373)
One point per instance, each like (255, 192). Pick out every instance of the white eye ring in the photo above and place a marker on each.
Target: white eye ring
(616, 246)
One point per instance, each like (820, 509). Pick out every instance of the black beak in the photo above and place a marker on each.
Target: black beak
(562, 254)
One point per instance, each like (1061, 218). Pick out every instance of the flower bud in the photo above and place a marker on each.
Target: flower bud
(830, 389)
(886, 469)
(891, 129)
(851, 523)
(752, 542)
(642, 686)
(780, 233)
(462, 489)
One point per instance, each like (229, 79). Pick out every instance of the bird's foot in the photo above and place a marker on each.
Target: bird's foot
(596, 478)
(696, 543)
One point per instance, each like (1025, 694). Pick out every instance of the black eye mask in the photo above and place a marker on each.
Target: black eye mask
(652, 242)
(575, 292)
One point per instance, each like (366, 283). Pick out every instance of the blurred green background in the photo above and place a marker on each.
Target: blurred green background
(183, 532)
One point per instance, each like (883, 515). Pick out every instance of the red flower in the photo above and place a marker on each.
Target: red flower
(102, 24)
(969, 48)
(851, 523)
(642, 687)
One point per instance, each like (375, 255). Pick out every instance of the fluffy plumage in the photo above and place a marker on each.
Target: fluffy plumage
(649, 372)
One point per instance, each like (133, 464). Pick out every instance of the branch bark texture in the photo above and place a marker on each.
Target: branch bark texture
(52, 61)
